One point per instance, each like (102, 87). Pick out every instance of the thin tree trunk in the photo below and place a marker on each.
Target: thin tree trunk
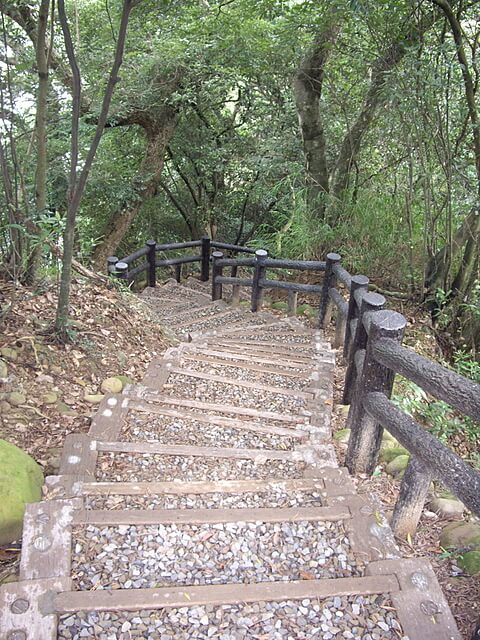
(41, 135)
(77, 187)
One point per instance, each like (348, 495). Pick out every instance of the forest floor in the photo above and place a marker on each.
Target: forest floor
(113, 333)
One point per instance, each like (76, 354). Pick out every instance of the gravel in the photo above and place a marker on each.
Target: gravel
(166, 430)
(368, 618)
(136, 557)
(124, 467)
(184, 386)
(275, 496)
(228, 370)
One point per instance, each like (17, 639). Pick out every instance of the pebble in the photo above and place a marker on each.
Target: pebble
(266, 620)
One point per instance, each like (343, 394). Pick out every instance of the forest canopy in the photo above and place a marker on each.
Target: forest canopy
(298, 126)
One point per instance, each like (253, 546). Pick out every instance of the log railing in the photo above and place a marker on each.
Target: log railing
(371, 336)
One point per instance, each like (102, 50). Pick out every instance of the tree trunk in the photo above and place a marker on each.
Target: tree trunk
(41, 136)
(151, 170)
(307, 86)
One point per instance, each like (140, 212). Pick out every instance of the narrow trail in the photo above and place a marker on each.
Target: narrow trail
(207, 502)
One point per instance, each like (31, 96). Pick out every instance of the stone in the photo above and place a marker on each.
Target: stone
(112, 385)
(390, 453)
(343, 436)
(388, 436)
(343, 409)
(50, 397)
(21, 481)
(447, 507)
(9, 354)
(470, 562)
(94, 398)
(461, 535)
(3, 369)
(125, 380)
(16, 398)
(397, 465)
(64, 410)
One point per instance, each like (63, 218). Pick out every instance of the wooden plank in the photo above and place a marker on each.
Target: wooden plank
(189, 450)
(190, 596)
(77, 456)
(150, 396)
(190, 373)
(107, 421)
(46, 543)
(25, 614)
(201, 487)
(226, 422)
(112, 517)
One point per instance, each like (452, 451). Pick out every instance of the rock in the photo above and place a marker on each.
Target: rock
(447, 507)
(125, 380)
(5, 407)
(470, 562)
(388, 436)
(8, 353)
(397, 465)
(343, 409)
(112, 385)
(3, 369)
(343, 435)
(21, 481)
(390, 453)
(50, 398)
(64, 410)
(52, 462)
(16, 398)
(94, 398)
(461, 535)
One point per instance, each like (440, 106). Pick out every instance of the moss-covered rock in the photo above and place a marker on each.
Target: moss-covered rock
(9, 354)
(461, 535)
(390, 453)
(125, 380)
(397, 465)
(3, 369)
(16, 398)
(112, 385)
(21, 480)
(94, 398)
(470, 562)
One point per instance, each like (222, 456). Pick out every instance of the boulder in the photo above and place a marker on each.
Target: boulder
(447, 507)
(343, 436)
(398, 465)
(21, 481)
(390, 453)
(461, 535)
(112, 385)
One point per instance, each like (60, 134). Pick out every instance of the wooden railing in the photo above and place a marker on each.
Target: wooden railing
(371, 336)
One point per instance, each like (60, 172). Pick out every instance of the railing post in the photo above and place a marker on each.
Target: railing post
(366, 433)
(205, 259)
(359, 283)
(411, 499)
(292, 303)
(121, 270)
(111, 262)
(216, 271)
(151, 257)
(340, 329)
(235, 295)
(258, 274)
(178, 273)
(370, 302)
(325, 310)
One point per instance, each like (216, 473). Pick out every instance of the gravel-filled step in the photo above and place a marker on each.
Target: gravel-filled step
(205, 324)
(125, 467)
(338, 618)
(136, 557)
(184, 386)
(237, 372)
(140, 426)
(273, 497)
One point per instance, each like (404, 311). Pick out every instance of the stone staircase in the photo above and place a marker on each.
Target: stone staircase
(207, 503)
